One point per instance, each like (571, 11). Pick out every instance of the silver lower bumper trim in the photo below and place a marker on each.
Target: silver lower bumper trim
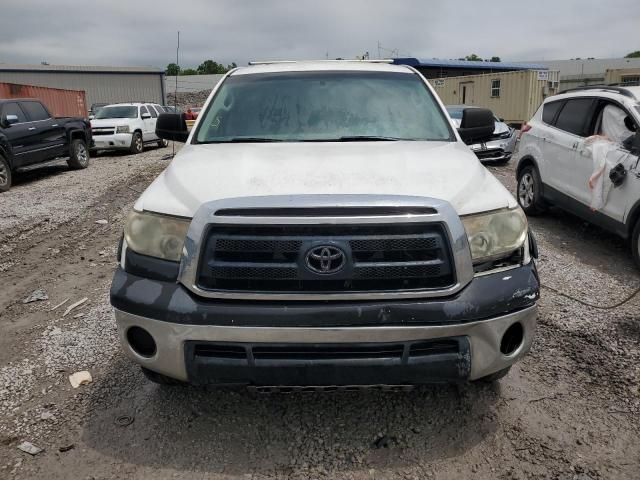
(484, 337)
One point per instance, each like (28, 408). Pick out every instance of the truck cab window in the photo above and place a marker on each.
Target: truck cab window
(35, 111)
(14, 109)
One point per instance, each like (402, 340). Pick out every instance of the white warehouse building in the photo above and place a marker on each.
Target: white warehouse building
(100, 84)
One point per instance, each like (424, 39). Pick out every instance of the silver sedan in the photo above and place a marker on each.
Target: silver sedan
(502, 144)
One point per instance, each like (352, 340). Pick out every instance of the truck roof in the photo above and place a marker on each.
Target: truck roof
(5, 100)
(321, 65)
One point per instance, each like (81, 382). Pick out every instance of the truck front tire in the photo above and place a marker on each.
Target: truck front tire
(635, 243)
(78, 155)
(5, 174)
(137, 145)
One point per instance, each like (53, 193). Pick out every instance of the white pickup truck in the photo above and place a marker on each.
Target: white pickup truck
(326, 227)
(126, 126)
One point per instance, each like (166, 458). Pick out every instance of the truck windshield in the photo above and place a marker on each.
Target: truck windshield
(323, 106)
(117, 112)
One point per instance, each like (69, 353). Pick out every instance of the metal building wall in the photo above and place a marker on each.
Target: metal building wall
(99, 86)
(521, 92)
(618, 75)
(192, 83)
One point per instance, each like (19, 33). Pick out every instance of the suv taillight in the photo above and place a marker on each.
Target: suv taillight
(525, 128)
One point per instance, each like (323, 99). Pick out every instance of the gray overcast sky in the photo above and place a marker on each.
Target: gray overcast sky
(143, 32)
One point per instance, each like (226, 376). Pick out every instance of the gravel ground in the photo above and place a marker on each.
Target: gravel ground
(568, 411)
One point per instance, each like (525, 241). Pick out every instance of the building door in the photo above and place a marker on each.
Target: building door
(466, 93)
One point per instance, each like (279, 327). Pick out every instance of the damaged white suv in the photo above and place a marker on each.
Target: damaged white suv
(580, 151)
(324, 226)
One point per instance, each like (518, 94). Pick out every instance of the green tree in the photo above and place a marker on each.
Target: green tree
(209, 67)
(232, 66)
(494, 59)
(188, 71)
(635, 54)
(173, 69)
(473, 58)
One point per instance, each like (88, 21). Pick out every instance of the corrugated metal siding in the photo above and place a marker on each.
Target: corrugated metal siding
(615, 75)
(98, 87)
(61, 103)
(192, 83)
(520, 92)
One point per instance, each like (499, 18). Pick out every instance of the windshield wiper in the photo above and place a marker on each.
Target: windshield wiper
(368, 138)
(357, 138)
(250, 140)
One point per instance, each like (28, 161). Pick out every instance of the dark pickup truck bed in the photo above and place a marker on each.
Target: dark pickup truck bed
(30, 136)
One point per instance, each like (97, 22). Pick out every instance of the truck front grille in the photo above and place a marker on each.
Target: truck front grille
(265, 258)
(103, 131)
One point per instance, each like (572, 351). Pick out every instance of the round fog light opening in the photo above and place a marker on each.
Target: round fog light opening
(141, 342)
(512, 339)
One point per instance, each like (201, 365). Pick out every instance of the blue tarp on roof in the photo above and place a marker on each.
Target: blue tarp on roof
(443, 63)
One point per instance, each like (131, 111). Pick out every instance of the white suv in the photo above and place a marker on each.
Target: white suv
(325, 226)
(126, 126)
(580, 152)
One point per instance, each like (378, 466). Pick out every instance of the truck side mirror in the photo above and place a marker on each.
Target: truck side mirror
(8, 120)
(172, 126)
(145, 116)
(477, 125)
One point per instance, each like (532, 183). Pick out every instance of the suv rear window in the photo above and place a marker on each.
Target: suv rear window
(574, 115)
(549, 111)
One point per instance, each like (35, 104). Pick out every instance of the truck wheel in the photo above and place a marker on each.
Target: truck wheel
(136, 143)
(494, 377)
(529, 197)
(160, 379)
(162, 143)
(78, 155)
(635, 243)
(5, 175)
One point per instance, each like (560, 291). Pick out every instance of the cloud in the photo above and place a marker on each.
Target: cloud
(143, 32)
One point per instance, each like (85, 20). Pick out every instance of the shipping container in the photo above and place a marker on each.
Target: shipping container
(622, 76)
(61, 103)
(512, 96)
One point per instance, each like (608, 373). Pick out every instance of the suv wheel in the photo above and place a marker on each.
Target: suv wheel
(162, 143)
(5, 175)
(529, 191)
(136, 143)
(78, 155)
(635, 243)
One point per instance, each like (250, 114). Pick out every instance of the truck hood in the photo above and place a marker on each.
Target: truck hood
(111, 122)
(444, 170)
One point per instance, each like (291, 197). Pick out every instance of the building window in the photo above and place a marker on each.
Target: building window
(495, 88)
(631, 80)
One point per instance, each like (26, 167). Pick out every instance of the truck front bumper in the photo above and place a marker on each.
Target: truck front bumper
(116, 141)
(463, 337)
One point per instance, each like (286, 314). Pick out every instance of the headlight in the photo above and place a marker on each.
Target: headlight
(494, 235)
(156, 235)
(122, 129)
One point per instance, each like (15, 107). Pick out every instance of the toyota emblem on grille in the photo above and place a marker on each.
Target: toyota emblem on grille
(325, 259)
